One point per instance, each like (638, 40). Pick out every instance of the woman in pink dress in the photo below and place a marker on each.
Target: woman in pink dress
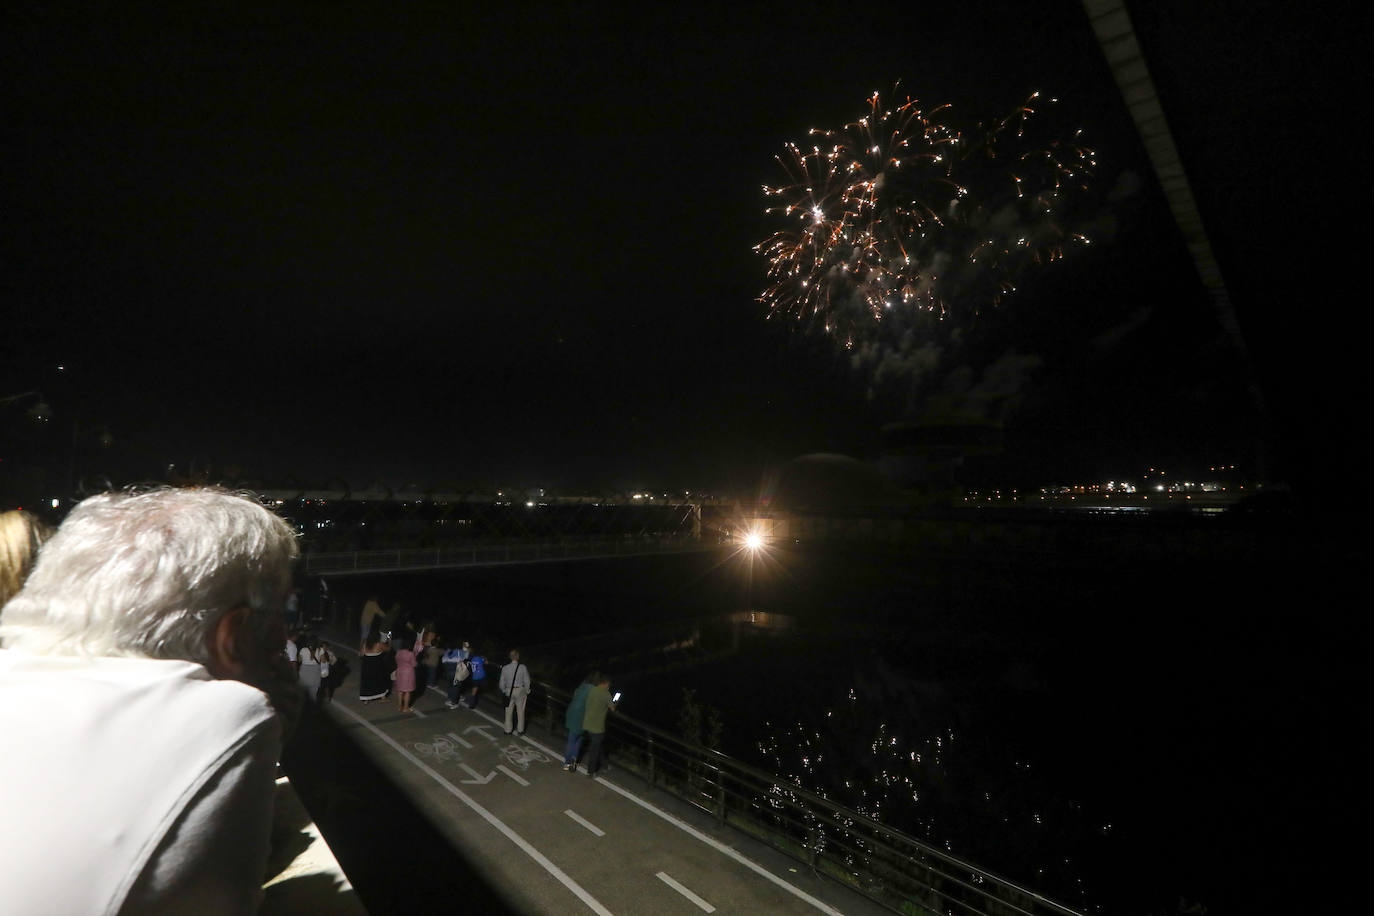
(405, 677)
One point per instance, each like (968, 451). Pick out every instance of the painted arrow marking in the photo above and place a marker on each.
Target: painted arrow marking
(480, 729)
(459, 740)
(477, 778)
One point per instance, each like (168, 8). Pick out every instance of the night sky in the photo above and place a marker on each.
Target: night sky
(512, 244)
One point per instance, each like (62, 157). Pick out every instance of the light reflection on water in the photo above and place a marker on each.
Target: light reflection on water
(930, 761)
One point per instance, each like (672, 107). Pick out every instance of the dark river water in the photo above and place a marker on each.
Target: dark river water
(1125, 734)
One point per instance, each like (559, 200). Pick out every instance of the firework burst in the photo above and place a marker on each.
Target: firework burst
(902, 210)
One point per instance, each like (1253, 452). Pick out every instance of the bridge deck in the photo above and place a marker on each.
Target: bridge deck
(507, 553)
(556, 842)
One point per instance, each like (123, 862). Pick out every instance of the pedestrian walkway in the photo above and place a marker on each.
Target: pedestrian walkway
(550, 841)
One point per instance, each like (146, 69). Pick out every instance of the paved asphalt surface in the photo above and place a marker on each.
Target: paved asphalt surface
(439, 806)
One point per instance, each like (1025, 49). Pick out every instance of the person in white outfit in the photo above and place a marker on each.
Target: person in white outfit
(515, 686)
(144, 695)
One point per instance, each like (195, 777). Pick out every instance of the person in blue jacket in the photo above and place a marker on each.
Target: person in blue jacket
(478, 665)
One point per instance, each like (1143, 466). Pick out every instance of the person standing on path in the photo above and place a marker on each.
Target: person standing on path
(293, 651)
(329, 663)
(477, 664)
(594, 722)
(456, 671)
(426, 659)
(404, 685)
(372, 662)
(308, 666)
(577, 712)
(372, 610)
(515, 687)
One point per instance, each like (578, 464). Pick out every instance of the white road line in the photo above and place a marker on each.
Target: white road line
(597, 831)
(512, 774)
(692, 831)
(486, 815)
(722, 848)
(668, 880)
(454, 736)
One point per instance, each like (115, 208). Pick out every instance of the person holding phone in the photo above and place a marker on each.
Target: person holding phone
(573, 719)
(599, 703)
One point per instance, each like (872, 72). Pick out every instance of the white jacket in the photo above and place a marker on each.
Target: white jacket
(132, 785)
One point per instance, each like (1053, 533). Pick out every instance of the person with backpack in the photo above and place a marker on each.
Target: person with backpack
(478, 666)
(515, 687)
(456, 671)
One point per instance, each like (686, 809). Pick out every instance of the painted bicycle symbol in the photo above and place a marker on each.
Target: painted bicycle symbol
(521, 755)
(440, 748)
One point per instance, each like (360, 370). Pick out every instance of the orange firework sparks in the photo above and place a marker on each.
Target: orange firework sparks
(901, 209)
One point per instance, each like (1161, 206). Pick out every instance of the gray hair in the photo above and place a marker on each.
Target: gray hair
(150, 574)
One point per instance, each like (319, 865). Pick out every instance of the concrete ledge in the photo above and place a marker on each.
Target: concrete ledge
(303, 875)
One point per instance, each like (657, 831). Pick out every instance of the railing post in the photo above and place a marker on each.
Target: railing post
(720, 795)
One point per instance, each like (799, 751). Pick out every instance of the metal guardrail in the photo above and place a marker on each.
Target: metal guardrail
(898, 871)
(412, 559)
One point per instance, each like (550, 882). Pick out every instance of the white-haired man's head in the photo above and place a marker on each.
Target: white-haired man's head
(194, 574)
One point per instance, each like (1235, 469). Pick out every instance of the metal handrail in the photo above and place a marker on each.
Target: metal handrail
(898, 871)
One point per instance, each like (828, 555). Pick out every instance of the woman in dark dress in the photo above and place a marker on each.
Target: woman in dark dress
(374, 680)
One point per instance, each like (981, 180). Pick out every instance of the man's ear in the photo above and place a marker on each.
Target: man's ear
(228, 642)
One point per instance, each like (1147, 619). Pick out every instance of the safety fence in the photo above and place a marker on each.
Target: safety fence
(895, 870)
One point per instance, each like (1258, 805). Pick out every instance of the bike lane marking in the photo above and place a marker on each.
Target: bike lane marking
(596, 831)
(525, 846)
(722, 848)
(715, 844)
(682, 825)
(668, 880)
